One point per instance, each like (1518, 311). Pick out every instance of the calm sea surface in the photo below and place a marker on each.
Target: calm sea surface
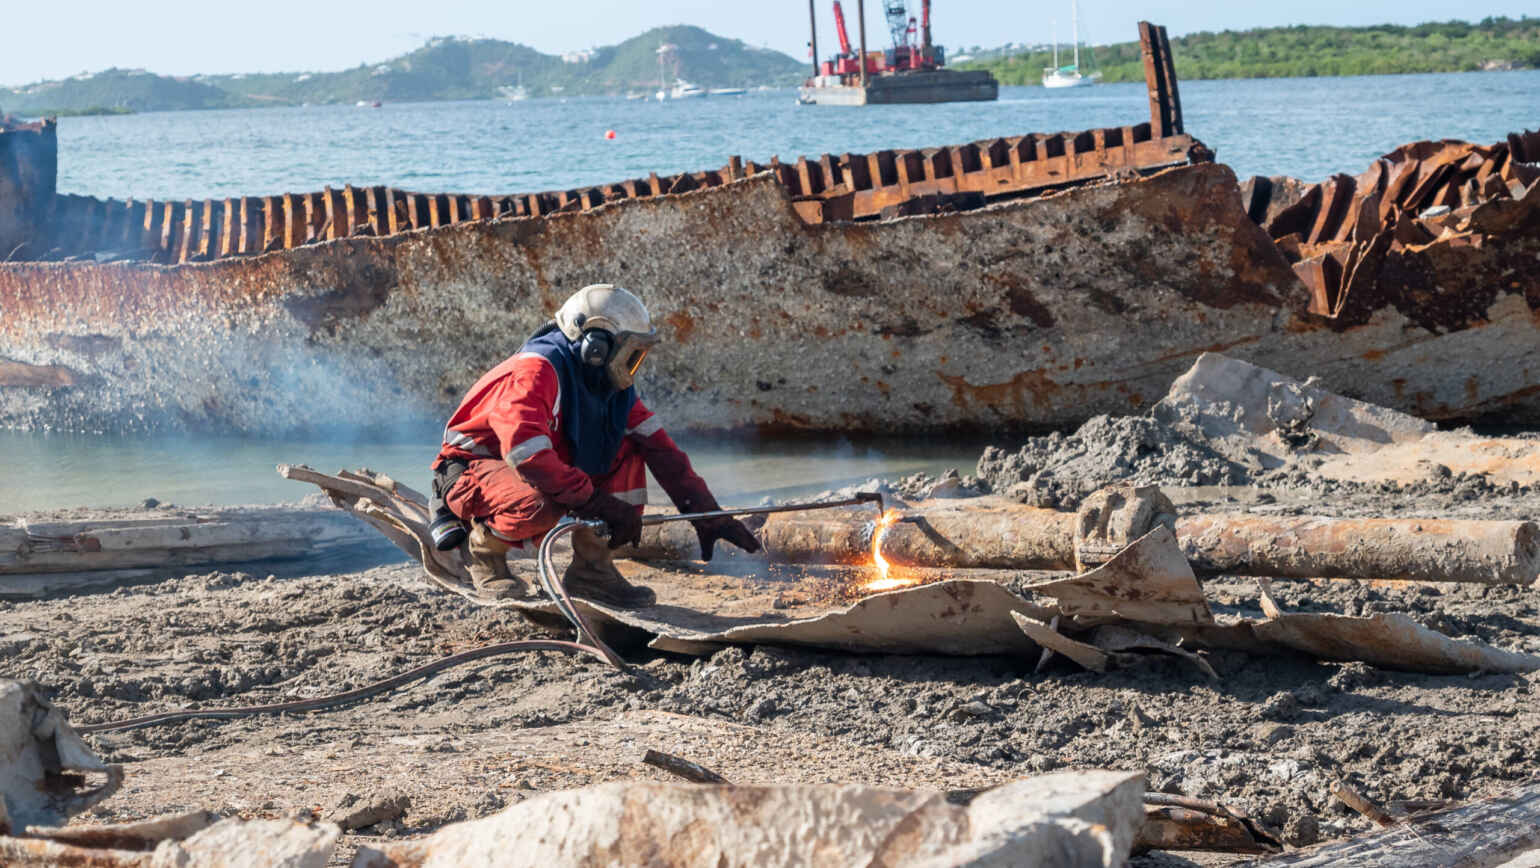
(1307, 128)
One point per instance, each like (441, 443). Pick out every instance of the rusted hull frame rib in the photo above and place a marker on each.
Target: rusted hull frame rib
(885, 183)
(1361, 242)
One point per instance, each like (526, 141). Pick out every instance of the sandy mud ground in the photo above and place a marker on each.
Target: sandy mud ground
(1273, 734)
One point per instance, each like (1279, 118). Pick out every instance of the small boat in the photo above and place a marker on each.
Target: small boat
(1068, 76)
(515, 92)
(729, 91)
(685, 90)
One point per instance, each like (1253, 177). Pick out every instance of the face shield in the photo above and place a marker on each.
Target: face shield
(630, 349)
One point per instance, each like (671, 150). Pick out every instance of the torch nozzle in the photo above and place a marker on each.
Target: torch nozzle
(872, 497)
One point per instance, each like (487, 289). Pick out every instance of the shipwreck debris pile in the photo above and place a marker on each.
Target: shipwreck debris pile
(1226, 422)
(1418, 231)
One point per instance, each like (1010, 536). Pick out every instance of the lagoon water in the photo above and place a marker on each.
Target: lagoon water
(1307, 128)
(48, 471)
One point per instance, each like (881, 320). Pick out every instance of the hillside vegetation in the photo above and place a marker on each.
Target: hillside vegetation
(444, 68)
(1284, 52)
(114, 90)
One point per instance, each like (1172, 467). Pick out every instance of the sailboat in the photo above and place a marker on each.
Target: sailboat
(1068, 76)
(515, 93)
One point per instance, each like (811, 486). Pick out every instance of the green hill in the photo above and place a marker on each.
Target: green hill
(444, 68)
(1283, 52)
(122, 89)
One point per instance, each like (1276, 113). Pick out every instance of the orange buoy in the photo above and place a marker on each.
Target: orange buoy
(609, 134)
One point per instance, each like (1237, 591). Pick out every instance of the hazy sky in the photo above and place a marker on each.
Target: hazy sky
(57, 38)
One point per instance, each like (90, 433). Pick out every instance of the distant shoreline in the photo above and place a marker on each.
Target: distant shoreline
(620, 98)
(1494, 44)
(449, 68)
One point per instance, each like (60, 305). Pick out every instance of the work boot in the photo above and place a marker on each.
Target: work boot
(592, 575)
(488, 565)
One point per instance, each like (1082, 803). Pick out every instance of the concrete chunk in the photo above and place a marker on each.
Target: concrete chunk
(1068, 819)
(38, 752)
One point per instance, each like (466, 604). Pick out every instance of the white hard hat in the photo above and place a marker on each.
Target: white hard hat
(613, 326)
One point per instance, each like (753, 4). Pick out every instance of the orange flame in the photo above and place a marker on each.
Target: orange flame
(885, 581)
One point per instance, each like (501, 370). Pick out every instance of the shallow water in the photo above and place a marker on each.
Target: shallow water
(53, 471)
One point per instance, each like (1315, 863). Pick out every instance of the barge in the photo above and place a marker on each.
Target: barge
(912, 71)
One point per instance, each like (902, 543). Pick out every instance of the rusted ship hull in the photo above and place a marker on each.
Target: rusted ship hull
(1022, 314)
(1016, 283)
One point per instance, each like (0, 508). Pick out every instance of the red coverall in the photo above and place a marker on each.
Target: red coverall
(512, 418)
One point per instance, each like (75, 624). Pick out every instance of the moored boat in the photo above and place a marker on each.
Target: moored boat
(1057, 76)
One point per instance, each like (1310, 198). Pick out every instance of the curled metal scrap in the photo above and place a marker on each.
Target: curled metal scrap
(1402, 232)
(1147, 586)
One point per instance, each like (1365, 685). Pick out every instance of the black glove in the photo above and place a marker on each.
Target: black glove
(709, 530)
(622, 519)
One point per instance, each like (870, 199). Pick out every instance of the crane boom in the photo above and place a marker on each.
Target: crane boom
(839, 28)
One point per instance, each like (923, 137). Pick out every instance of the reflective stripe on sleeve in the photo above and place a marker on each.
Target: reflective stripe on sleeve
(648, 427)
(529, 449)
(464, 442)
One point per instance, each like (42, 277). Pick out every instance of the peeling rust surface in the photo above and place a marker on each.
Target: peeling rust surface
(1433, 550)
(394, 329)
(1017, 315)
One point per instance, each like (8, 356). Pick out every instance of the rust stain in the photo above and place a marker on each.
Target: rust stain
(1017, 395)
(20, 374)
(683, 325)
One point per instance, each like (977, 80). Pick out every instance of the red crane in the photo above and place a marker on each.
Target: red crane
(839, 28)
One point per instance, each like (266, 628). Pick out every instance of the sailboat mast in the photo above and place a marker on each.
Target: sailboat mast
(1074, 7)
(1056, 44)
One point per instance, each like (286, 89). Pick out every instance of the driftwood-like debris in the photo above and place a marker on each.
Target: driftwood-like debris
(695, 773)
(44, 762)
(139, 835)
(39, 558)
(1175, 822)
(1487, 832)
(1350, 796)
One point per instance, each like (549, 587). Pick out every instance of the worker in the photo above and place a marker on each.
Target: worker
(558, 429)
